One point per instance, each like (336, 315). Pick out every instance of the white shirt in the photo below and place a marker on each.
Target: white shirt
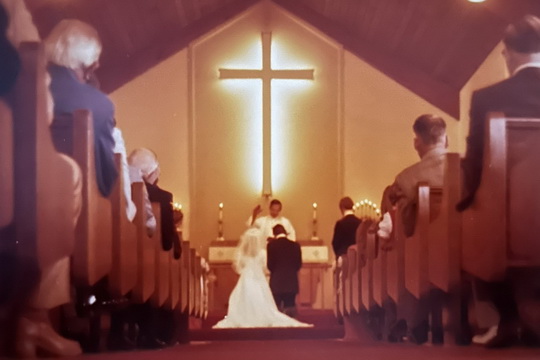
(120, 148)
(267, 223)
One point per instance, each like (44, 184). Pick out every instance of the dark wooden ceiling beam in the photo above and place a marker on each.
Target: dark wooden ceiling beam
(442, 95)
(119, 71)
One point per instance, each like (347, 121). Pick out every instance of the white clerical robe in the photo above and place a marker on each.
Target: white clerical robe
(267, 223)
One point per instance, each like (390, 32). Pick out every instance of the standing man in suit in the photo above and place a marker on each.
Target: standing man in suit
(284, 260)
(345, 229)
(515, 297)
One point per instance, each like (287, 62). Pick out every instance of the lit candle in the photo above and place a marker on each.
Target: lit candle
(220, 212)
(356, 206)
(314, 211)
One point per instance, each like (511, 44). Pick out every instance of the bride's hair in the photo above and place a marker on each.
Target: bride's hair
(250, 246)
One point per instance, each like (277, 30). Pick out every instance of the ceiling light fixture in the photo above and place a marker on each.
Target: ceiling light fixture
(476, 1)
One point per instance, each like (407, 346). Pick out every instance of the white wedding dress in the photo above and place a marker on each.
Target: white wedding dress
(251, 304)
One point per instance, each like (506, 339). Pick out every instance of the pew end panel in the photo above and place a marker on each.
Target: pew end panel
(445, 232)
(146, 263)
(500, 229)
(123, 277)
(74, 135)
(43, 211)
(162, 263)
(184, 276)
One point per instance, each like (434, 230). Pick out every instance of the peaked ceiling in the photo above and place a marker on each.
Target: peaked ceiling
(432, 47)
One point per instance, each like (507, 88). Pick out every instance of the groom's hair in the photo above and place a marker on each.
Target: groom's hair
(279, 229)
(275, 202)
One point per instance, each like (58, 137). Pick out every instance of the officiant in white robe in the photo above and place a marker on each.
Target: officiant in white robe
(266, 223)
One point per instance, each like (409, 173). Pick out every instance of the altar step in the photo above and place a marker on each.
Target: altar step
(324, 321)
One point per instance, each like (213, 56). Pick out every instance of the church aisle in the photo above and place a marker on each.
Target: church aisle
(316, 350)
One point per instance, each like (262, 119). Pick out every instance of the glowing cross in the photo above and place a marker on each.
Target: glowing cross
(266, 74)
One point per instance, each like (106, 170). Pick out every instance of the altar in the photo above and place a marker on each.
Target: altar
(315, 260)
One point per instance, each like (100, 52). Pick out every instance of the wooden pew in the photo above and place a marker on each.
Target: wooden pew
(174, 283)
(444, 261)
(367, 270)
(184, 276)
(345, 286)
(197, 288)
(380, 289)
(92, 256)
(162, 264)
(338, 289)
(354, 273)
(192, 282)
(506, 211)
(123, 276)
(395, 265)
(146, 259)
(417, 246)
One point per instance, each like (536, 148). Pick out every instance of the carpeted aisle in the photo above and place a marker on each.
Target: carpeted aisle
(317, 350)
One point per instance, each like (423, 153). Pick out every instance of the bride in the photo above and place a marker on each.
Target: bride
(251, 304)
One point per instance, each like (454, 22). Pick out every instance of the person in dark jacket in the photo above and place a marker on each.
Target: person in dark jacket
(284, 260)
(345, 228)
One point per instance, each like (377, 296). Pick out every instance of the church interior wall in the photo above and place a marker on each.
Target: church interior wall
(152, 112)
(492, 70)
(376, 143)
(378, 135)
(227, 139)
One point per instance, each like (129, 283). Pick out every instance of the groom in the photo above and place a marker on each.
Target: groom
(284, 260)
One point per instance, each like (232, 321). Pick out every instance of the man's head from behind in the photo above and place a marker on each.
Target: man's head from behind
(522, 42)
(430, 133)
(279, 230)
(145, 161)
(345, 204)
(75, 45)
(275, 208)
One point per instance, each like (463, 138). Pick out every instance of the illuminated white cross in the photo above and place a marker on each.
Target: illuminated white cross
(266, 74)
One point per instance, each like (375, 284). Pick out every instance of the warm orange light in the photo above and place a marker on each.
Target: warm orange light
(284, 94)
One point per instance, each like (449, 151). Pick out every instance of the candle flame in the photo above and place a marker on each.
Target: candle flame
(314, 205)
(221, 205)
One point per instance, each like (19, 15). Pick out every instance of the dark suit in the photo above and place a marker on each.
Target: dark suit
(69, 94)
(517, 96)
(169, 235)
(284, 260)
(345, 234)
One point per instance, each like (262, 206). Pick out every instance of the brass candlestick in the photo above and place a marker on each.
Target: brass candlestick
(314, 234)
(220, 223)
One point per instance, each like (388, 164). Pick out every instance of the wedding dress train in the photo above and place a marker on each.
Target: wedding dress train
(251, 304)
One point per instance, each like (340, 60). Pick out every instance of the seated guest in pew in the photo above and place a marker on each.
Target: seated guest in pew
(120, 148)
(34, 288)
(148, 318)
(145, 161)
(345, 228)
(73, 49)
(516, 299)
(430, 142)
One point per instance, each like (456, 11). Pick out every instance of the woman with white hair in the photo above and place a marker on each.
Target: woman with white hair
(73, 49)
(138, 172)
(145, 162)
